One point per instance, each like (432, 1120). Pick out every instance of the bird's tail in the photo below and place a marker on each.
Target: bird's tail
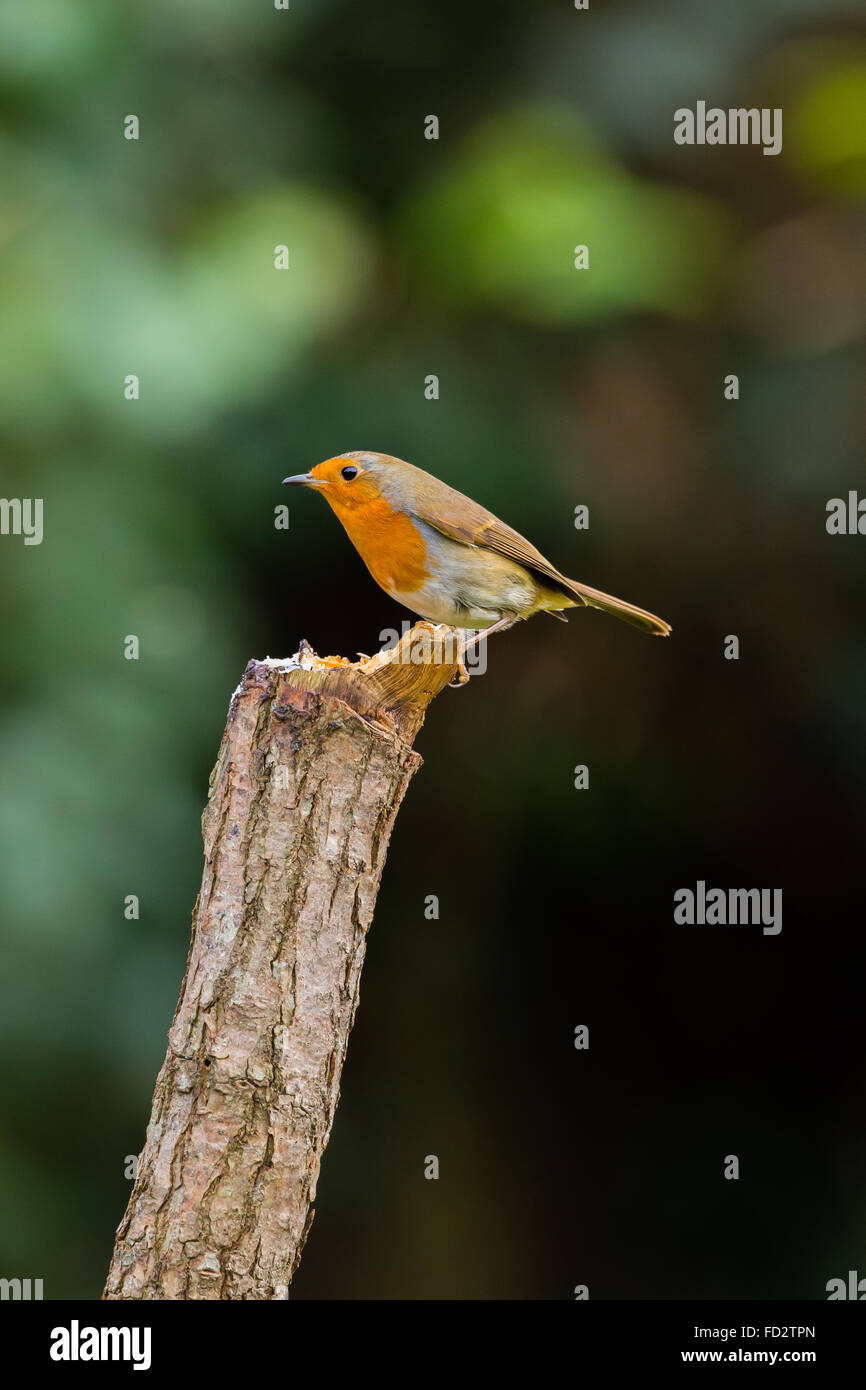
(638, 617)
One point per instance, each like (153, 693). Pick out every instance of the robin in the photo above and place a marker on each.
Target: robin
(444, 556)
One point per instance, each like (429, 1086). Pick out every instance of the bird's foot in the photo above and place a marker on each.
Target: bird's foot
(462, 677)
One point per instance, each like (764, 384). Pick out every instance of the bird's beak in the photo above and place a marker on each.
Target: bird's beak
(305, 479)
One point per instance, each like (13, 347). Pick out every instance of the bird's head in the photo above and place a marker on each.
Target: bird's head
(350, 481)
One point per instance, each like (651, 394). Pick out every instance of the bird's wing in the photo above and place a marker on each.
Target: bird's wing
(466, 521)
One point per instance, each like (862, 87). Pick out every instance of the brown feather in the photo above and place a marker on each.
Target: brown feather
(457, 516)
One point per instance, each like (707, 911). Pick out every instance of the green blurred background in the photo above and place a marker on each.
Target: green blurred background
(557, 387)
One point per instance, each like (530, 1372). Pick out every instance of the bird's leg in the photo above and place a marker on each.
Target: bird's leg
(462, 677)
(507, 620)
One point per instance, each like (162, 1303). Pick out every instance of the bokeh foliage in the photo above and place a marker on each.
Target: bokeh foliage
(558, 387)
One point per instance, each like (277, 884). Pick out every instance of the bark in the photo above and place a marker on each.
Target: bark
(314, 763)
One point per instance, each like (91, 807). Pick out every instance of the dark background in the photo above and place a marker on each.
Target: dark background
(605, 387)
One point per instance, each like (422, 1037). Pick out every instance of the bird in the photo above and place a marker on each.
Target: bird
(446, 557)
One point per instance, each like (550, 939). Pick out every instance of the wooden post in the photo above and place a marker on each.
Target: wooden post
(314, 763)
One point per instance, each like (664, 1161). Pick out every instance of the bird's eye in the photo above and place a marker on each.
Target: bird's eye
(349, 472)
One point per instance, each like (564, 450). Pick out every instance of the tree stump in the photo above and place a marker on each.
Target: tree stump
(314, 763)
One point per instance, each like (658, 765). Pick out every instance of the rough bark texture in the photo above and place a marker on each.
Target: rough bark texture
(314, 763)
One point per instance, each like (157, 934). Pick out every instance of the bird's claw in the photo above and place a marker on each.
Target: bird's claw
(462, 676)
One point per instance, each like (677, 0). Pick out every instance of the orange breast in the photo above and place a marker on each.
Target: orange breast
(388, 542)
